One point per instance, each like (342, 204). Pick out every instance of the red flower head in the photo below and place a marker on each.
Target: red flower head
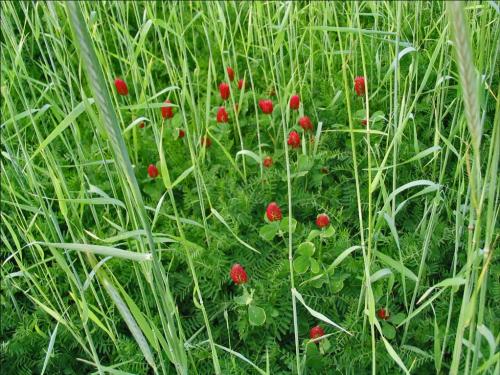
(305, 123)
(364, 122)
(206, 142)
(294, 139)
(241, 84)
(294, 102)
(182, 133)
(359, 85)
(224, 90)
(316, 332)
(322, 220)
(266, 105)
(166, 111)
(152, 171)
(383, 314)
(273, 212)
(222, 115)
(268, 161)
(238, 274)
(230, 73)
(141, 125)
(121, 86)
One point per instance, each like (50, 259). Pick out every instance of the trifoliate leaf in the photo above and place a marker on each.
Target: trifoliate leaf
(301, 264)
(285, 223)
(256, 315)
(306, 248)
(328, 232)
(388, 330)
(268, 231)
(314, 265)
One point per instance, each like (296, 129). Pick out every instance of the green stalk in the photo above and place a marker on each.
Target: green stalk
(369, 300)
(95, 75)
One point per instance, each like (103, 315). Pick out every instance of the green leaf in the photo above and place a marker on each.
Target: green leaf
(240, 300)
(431, 150)
(318, 283)
(147, 105)
(342, 256)
(313, 356)
(306, 248)
(49, 349)
(134, 123)
(315, 313)
(380, 274)
(196, 301)
(182, 176)
(70, 118)
(396, 265)
(353, 30)
(337, 286)
(407, 186)
(395, 356)
(314, 280)
(301, 264)
(101, 250)
(437, 346)
(453, 281)
(328, 232)
(388, 331)
(390, 350)
(26, 113)
(242, 357)
(284, 224)
(154, 190)
(256, 315)
(139, 317)
(377, 116)
(130, 321)
(96, 201)
(392, 226)
(250, 154)
(245, 299)
(490, 338)
(314, 265)
(268, 231)
(295, 175)
(397, 318)
(221, 219)
(313, 234)
(304, 163)
(324, 345)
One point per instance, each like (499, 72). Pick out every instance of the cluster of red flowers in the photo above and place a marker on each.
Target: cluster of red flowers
(316, 332)
(238, 274)
(152, 171)
(266, 106)
(273, 211)
(122, 89)
(225, 92)
(359, 86)
(167, 112)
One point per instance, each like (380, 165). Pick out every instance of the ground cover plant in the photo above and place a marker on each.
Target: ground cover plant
(249, 187)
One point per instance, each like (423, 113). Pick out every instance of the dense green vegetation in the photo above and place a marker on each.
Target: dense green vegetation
(123, 215)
